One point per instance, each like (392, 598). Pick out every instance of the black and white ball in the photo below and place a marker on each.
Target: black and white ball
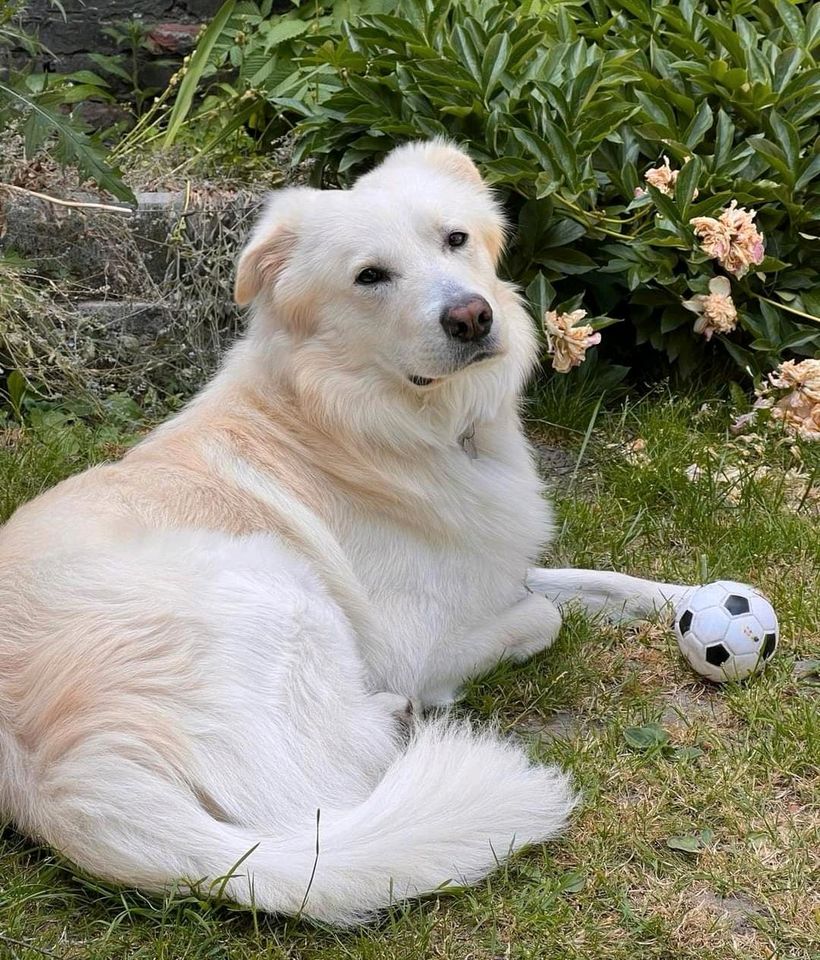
(726, 630)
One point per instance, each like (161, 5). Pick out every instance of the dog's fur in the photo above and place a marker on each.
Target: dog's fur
(204, 648)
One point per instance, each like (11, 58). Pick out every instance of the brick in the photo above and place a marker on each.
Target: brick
(176, 38)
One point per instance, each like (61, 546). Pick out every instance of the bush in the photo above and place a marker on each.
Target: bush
(566, 106)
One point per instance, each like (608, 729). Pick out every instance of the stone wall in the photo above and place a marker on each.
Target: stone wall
(173, 24)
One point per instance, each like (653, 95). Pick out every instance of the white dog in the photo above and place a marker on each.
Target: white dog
(206, 649)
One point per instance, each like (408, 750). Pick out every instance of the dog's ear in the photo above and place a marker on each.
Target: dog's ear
(271, 242)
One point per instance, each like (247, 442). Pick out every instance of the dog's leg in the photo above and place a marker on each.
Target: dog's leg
(620, 598)
(404, 710)
(522, 630)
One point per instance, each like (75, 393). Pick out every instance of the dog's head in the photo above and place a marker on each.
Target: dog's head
(395, 278)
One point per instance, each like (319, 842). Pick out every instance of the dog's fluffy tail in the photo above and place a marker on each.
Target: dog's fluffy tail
(448, 809)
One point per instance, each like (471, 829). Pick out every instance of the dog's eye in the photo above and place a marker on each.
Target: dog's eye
(456, 239)
(371, 275)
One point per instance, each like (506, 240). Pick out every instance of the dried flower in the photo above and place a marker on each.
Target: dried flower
(792, 395)
(732, 239)
(663, 178)
(716, 310)
(566, 343)
(799, 406)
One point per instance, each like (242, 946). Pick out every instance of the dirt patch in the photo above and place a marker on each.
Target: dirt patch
(737, 911)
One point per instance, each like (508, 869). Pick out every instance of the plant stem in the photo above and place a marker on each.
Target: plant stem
(66, 203)
(782, 306)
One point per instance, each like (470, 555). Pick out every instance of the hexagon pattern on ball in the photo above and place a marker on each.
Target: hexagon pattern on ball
(726, 630)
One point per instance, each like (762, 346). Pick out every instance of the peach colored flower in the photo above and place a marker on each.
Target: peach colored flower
(799, 406)
(732, 239)
(716, 310)
(663, 178)
(566, 343)
(792, 395)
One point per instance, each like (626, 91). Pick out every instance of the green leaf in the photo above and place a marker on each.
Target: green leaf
(508, 170)
(687, 843)
(808, 171)
(724, 138)
(561, 233)
(540, 294)
(467, 51)
(494, 62)
(649, 737)
(774, 155)
(86, 76)
(563, 149)
(16, 388)
(790, 17)
(283, 30)
(786, 136)
(565, 260)
(686, 184)
(701, 124)
(813, 27)
(572, 882)
(785, 66)
(724, 36)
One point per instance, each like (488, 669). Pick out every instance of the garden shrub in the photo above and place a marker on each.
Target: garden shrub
(566, 106)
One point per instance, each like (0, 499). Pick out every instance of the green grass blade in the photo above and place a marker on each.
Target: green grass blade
(196, 67)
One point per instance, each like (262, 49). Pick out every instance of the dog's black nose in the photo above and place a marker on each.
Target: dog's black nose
(468, 321)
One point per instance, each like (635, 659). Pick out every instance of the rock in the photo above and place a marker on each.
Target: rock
(81, 32)
(102, 116)
(121, 255)
(130, 317)
(174, 37)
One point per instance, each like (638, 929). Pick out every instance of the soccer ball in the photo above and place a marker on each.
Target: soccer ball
(726, 630)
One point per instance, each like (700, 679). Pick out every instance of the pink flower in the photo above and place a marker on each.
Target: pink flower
(566, 343)
(716, 310)
(732, 239)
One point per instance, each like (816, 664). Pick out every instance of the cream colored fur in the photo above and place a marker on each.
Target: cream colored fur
(205, 646)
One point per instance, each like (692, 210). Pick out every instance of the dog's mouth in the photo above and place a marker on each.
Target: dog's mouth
(471, 361)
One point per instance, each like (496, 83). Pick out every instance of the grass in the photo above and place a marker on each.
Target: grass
(702, 844)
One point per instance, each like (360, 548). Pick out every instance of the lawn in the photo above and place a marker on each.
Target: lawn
(703, 844)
